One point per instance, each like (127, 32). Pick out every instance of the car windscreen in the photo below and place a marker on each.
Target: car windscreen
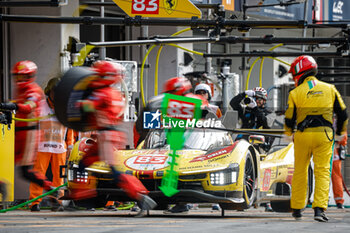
(197, 139)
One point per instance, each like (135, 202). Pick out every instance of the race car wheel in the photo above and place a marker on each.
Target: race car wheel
(284, 206)
(249, 181)
(281, 206)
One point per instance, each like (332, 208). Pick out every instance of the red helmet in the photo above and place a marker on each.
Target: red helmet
(177, 86)
(109, 73)
(260, 92)
(24, 72)
(303, 65)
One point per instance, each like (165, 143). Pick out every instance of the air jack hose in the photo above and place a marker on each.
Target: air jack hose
(126, 207)
(34, 199)
(34, 119)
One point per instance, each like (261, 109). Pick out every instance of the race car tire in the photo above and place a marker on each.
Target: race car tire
(284, 206)
(281, 206)
(249, 181)
(72, 88)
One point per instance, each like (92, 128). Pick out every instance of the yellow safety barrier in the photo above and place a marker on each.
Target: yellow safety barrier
(7, 158)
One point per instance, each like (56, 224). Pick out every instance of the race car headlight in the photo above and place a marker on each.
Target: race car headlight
(225, 177)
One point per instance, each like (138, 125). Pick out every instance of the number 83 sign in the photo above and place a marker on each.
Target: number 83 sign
(159, 8)
(180, 107)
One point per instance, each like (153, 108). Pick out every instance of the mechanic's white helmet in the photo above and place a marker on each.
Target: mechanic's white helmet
(260, 92)
(203, 87)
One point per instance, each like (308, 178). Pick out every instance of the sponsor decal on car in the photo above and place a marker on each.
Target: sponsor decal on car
(214, 154)
(290, 175)
(148, 162)
(266, 180)
(155, 151)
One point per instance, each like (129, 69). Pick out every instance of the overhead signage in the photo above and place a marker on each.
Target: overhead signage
(332, 11)
(290, 12)
(229, 5)
(159, 8)
(339, 10)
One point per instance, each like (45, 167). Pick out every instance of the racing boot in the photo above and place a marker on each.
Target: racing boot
(297, 214)
(35, 208)
(320, 215)
(132, 186)
(178, 209)
(55, 203)
(56, 206)
(136, 190)
(145, 203)
(340, 206)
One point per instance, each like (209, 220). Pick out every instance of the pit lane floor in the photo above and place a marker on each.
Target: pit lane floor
(201, 221)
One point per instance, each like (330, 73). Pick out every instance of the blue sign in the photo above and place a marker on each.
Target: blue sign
(289, 12)
(339, 10)
(151, 120)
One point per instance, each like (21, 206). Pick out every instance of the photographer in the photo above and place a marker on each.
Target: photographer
(252, 112)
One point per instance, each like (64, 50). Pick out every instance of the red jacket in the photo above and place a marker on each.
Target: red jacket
(29, 100)
(108, 103)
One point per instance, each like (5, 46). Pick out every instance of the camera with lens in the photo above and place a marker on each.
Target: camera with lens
(342, 152)
(247, 100)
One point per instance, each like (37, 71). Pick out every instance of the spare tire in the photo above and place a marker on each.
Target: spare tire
(72, 88)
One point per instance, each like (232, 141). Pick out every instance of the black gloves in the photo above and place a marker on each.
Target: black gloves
(6, 118)
(8, 106)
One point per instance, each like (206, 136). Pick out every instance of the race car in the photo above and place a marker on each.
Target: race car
(212, 168)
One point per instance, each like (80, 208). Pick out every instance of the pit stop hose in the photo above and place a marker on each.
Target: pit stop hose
(126, 207)
(34, 119)
(34, 199)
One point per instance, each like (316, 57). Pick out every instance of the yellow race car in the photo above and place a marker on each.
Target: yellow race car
(212, 169)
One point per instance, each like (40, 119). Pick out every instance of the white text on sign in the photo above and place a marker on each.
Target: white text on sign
(145, 7)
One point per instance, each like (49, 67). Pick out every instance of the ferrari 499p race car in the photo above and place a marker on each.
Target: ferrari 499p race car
(212, 169)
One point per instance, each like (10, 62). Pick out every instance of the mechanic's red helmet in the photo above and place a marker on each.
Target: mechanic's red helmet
(24, 72)
(260, 92)
(303, 65)
(177, 86)
(109, 73)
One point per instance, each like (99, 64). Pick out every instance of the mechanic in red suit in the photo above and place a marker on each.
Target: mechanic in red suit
(27, 102)
(103, 106)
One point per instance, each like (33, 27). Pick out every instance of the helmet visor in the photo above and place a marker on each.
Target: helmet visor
(19, 78)
(201, 92)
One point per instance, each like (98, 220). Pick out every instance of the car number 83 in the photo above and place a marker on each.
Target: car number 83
(180, 109)
(145, 7)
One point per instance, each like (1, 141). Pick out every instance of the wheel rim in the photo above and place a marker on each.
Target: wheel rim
(249, 176)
